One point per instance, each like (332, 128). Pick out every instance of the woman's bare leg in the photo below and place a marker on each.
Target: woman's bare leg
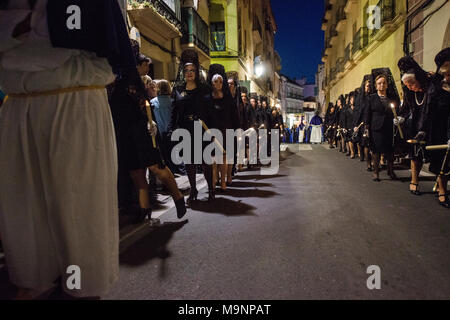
(167, 178)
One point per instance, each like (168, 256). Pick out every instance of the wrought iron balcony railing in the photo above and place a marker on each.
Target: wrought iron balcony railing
(333, 73)
(171, 10)
(360, 40)
(347, 53)
(340, 14)
(340, 65)
(195, 30)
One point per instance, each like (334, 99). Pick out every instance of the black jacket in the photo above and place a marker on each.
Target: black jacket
(378, 114)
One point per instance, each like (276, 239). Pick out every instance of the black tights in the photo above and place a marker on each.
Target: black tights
(191, 170)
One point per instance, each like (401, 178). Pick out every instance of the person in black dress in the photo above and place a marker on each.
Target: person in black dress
(235, 89)
(341, 124)
(439, 129)
(418, 91)
(367, 89)
(190, 104)
(223, 115)
(253, 122)
(135, 149)
(330, 119)
(380, 119)
(244, 119)
(350, 115)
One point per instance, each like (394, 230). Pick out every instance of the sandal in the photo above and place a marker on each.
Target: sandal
(416, 191)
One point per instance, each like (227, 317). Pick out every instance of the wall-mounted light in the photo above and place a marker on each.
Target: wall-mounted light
(259, 70)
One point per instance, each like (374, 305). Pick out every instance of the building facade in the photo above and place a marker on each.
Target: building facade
(427, 30)
(160, 29)
(242, 39)
(292, 100)
(360, 35)
(320, 97)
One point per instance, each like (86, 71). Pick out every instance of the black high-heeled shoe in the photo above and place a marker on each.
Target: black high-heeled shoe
(392, 175)
(141, 215)
(444, 203)
(192, 197)
(415, 192)
(181, 207)
(211, 195)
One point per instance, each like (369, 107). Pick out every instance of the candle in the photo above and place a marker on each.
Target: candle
(150, 119)
(396, 118)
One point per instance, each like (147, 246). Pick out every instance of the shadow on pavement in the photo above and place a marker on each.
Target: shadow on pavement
(258, 177)
(255, 193)
(242, 184)
(224, 206)
(152, 246)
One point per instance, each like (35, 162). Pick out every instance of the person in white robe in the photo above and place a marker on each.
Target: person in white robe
(316, 129)
(58, 161)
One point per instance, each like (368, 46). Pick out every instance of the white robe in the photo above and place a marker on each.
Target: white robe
(316, 134)
(58, 162)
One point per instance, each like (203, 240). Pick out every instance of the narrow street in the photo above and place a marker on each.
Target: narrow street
(309, 232)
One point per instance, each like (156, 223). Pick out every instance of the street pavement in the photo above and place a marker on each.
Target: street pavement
(309, 232)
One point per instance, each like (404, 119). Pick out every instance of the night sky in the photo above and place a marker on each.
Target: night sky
(299, 39)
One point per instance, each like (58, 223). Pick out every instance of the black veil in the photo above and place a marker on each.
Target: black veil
(220, 70)
(391, 91)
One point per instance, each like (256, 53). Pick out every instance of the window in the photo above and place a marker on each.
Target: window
(218, 42)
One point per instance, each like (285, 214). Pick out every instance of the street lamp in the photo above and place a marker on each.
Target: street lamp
(259, 70)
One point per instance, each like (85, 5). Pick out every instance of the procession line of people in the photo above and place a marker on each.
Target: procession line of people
(373, 124)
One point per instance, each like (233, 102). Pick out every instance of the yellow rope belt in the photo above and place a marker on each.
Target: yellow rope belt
(53, 92)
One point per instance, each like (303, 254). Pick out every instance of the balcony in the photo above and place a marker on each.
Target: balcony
(360, 40)
(333, 34)
(324, 24)
(195, 30)
(333, 73)
(160, 16)
(328, 9)
(294, 96)
(347, 53)
(340, 65)
(341, 19)
(257, 31)
(388, 14)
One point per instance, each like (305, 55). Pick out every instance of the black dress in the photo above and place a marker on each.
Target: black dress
(134, 142)
(190, 106)
(223, 115)
(252, 117)
(416, 117)
(363, 114)
(350, 115)
(438, 131)
(381, 119)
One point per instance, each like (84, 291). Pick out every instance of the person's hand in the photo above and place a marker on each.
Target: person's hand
(153, 128)
(420, 136)
(355, 129)
(399, 120)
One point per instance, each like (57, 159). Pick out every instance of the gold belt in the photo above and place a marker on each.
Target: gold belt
(53, 92)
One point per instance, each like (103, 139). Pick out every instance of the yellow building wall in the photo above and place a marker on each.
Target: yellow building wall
(386, 54)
